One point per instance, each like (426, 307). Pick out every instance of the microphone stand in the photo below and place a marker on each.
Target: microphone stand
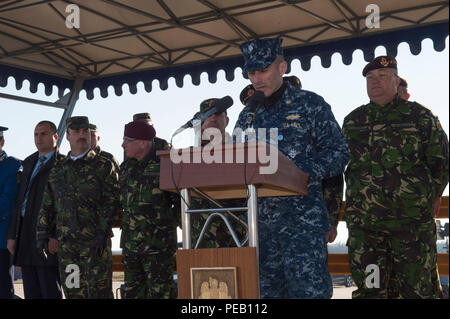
(252, 192)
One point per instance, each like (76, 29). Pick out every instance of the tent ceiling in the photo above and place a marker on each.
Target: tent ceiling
(122, 37)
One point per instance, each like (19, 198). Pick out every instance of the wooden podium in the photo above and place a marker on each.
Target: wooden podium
(192, 171)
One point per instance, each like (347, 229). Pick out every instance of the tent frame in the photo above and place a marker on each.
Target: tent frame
(92, 69)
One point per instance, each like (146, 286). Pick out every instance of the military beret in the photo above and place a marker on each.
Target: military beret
(260, 53)
(140, 130)
(381, 62)
(207, 104)
(142, 116)
(2, 129)
(77, 122)
(93, 127)
(403, 82)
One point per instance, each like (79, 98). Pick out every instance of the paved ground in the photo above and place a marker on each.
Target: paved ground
(117, 281)
(339, 292)
(18, 288)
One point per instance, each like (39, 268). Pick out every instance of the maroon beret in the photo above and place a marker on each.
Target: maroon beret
(140, 130)
(381, 62)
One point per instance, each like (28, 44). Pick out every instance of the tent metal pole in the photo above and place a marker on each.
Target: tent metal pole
(33, 101)
(70, 106)
(67, 102)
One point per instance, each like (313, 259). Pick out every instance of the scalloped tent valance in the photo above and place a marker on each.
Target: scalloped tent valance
(437, 33)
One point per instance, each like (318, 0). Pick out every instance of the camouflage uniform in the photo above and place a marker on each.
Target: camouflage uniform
(333, 193)
(93, 128)
(78, 207)
(292, 230)
(117, 219)
(399, 165)
(108, 156)
(149, 236)
(333, 187)
(217, 234)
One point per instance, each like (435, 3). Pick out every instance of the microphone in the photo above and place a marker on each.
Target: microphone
(218, 106)
(255, 101)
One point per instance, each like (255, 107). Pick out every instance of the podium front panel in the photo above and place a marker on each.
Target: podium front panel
(243, 259)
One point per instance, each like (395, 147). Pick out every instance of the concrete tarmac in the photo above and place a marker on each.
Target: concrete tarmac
(339, 291)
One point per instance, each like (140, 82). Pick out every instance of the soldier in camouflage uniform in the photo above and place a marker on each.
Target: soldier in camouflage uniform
(393, 292)
(292, 230)
(333, 194)
(95, 138)
(150, 219)
(158, 143)
(333, 187)
(397, 173)
(217, 234)
(78, 207)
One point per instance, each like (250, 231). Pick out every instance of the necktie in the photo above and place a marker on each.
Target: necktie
(37, 168)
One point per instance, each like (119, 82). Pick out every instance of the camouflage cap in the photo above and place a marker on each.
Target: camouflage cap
(93, 127)
(2, 129)
(381, 62)
(142, 116)
(77, 122)
(207, 104)
(260, 53)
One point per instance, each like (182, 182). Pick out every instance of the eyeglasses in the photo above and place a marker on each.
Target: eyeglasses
(127, 140)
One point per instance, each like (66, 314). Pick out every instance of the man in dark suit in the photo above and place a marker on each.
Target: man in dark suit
(40, 275)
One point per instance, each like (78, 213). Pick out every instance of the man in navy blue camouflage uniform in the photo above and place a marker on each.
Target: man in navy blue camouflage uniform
(292, 230)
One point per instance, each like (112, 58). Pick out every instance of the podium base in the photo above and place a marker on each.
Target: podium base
(235, 269)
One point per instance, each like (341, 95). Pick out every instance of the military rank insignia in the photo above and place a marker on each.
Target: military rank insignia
(384, 62)
(293, 117)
